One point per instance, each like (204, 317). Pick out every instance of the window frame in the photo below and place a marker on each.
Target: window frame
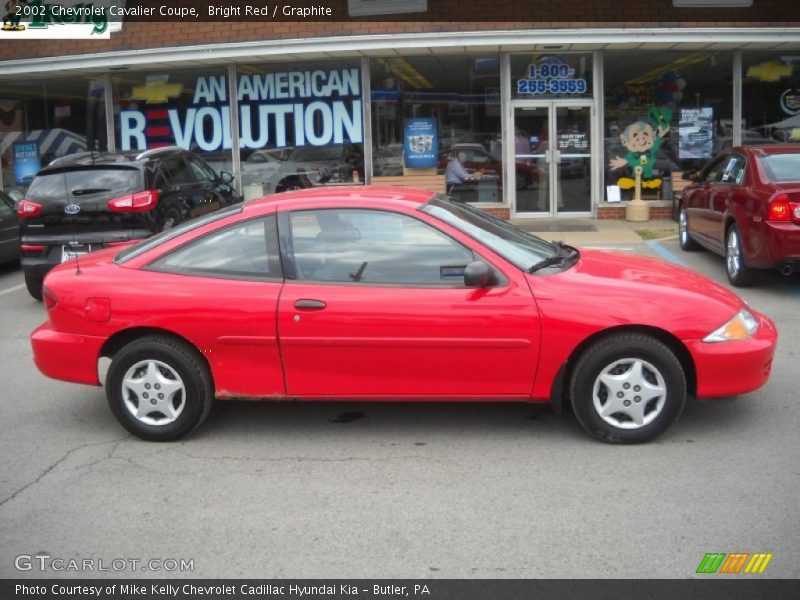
(273, 249)
(290, 268)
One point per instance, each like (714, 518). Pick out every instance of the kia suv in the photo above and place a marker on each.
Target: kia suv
(86, 201)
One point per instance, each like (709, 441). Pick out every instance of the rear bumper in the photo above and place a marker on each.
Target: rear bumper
(66, 356)
(731, 368)
(780, 244)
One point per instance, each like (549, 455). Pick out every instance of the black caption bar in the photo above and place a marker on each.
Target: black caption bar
(385, 589)
(549, 12)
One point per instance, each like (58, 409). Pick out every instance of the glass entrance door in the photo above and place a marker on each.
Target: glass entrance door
(552, 159)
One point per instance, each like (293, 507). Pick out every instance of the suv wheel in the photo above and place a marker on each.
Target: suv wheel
(172, 217)
(34, 285)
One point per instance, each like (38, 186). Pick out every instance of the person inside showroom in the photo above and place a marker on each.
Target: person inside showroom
(456, 173)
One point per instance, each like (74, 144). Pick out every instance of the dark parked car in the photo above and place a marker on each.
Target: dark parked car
(83, 202)
(9, 229)
(745, 206)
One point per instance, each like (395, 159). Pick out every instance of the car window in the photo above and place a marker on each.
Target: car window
(175, 171)
(247, 250)
(106, 180)
(374, 247)
(781, 167)
(6, 205)
(715, 170)
(733, 172)
(202, 172)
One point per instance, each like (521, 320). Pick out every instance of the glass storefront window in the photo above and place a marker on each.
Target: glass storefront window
(442, 113)
(771, 97)
(182, 107)
(44, 120)
(665, 112)
(301, 125)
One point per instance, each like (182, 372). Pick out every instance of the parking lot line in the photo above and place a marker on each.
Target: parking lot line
(12, 289)
(665, 254)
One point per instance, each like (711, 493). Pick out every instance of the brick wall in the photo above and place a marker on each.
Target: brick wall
(500, 14)
(618, 212)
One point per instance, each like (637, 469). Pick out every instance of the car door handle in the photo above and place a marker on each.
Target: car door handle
(309, 304)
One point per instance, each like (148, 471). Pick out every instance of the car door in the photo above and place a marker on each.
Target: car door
(238, 269)
(698, 197)
(375, 305)
(721, 196)
(9, 229)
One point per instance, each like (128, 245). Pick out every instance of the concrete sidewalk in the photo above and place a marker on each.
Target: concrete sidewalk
(588, 231)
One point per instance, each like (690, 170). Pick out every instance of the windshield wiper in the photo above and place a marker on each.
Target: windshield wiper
(357, 275)
(548, 262)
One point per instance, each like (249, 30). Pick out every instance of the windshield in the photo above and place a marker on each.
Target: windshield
(516, 246)
(152, 242)
(781, 167)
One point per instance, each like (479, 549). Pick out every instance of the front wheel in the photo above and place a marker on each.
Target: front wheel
(684, 237)
(159, 389)
(628, 388)
(739, 274)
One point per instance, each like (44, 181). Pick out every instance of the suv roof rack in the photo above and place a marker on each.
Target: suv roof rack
(155, 151)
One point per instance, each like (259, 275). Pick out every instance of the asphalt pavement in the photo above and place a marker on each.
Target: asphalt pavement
(327, 490)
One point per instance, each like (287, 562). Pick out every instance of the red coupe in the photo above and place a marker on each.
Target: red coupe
(391, 294)
(745, 206)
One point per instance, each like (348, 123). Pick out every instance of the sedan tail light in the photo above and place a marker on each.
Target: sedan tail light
(27, 209)
(138, 202)
(783, 209)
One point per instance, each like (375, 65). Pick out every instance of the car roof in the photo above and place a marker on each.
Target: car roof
(769, 148)
(131, 158)
(370, 196)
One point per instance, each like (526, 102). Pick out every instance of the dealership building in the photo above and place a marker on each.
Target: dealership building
(543, 99)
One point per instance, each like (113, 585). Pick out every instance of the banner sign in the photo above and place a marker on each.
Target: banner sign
(291, 108)
(421, 143)
(27, 162)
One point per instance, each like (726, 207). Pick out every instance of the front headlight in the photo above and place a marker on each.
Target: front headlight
(742, 326)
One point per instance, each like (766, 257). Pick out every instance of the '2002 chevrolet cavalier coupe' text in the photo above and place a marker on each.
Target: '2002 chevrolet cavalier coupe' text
(370, 293)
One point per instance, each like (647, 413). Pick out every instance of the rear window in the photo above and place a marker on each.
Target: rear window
(109, 181)
(781, 167)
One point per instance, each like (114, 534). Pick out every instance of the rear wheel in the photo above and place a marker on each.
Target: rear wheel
(171, 217)
(34, 285)
(686, 240)
(627, 388)
(739, 274)
(159, 389)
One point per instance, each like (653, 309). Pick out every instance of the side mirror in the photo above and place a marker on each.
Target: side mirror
(225, 177)
(691, 175)
(478, 274)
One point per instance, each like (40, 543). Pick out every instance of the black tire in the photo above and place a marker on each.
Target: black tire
(171, 217)
(739, 274)
(522, 180)
(684, 236)
(625, 350)
(34, 285)
(194, 400)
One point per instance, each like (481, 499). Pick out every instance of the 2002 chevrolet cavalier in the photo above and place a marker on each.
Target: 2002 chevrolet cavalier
(383, 293)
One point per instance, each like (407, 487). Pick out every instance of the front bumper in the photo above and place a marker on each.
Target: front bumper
(737, 367)
(66, 356)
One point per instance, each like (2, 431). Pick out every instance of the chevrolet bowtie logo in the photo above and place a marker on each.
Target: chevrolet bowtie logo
(770, 71)
(156, 92)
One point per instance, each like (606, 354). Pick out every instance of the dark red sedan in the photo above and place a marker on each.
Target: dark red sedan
(390, 294)
(745, 206)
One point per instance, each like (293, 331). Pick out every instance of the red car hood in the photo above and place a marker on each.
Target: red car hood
(620, 288)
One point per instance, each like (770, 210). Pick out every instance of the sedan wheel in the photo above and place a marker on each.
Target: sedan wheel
(739, 274)
(159, 388)
(628, 388)
(686, 241)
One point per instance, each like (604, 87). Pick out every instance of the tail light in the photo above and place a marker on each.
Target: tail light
(138, 202)
(49, 298)
(32, 247)
(782, 209)
(27, 209)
